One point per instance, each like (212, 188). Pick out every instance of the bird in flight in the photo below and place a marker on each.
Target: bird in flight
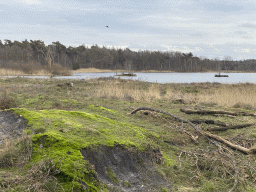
(107, 26)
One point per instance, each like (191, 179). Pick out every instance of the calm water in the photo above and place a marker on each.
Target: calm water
(170, 77)
(177, 77)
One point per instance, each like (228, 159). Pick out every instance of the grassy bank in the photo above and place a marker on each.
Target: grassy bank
(67, 123)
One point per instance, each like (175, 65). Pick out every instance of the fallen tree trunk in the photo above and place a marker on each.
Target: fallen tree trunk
(229, 127)
(231, 145)
(209, 136)
(206, 134)
(208, 112)
(208, 121)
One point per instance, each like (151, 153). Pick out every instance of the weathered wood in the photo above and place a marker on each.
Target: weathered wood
(231, 145)
(199, 121)
(208, 121)
(208, 112)
(230, 127)
(208, 135)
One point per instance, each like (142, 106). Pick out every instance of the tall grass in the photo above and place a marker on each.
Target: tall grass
(6, 101)
(33, 68)
(239, 95)
(16, 154)
(228, 95)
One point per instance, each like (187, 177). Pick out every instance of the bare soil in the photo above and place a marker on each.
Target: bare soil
(129, 166)
(11, 126)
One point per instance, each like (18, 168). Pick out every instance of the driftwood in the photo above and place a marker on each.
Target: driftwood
(208, 121)
(229, 127)
(209, 136)
(207, 112)
(231, 145)
(194, 138)
(204, 133)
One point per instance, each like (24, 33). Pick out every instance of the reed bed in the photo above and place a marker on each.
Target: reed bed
(227, 95)
(236, 96)
(13, 72)
(94, 70)
(56, 70)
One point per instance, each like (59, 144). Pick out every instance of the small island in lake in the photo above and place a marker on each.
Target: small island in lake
(219, 75)
(126, 74)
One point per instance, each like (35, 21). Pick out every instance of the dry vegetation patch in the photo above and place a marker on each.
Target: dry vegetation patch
(237, 96)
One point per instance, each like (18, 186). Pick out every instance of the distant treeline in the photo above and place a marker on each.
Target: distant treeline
(26, 55)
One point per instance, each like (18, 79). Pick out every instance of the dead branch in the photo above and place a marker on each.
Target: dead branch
(231, 145)
(194, 138)
(208, 112)
(209, 136)
(233, 162)
(230, 127)
(167, 113)
(208, 121)
(204, 133)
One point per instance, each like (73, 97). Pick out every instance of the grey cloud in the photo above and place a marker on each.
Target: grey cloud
(249, 25)
(222, 7)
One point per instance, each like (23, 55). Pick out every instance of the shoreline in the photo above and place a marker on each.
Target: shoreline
(8, 73)
(94, 70)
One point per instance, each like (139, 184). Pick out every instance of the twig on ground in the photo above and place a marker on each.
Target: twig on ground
(230, 127)
(208, 136)
(207, 112)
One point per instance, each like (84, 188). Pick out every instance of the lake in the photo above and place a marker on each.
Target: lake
(177, 77)
(170, 77)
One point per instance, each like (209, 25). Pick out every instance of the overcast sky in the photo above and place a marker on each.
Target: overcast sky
(209, 28)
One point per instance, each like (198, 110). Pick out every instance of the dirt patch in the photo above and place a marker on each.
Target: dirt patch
(11, 125)
(123, 169)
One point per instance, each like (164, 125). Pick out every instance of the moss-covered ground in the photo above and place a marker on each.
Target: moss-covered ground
(63, 120)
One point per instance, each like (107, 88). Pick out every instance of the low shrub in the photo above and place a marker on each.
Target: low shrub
(7, 102)
(58, 69)
(16, 154)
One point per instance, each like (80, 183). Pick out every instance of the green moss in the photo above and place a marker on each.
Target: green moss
(101, 108)
(112, 175)
(78, 130)
(86, 128)
(127, 184)
(70, 101)
(164, 190)
(168, 161)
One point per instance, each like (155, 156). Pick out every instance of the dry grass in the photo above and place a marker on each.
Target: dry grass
(237, 96)
(35, 69)
(58, 69)
(6, 101)
(13, 72)
(16, 154)
(227, 95)
(94, 70)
